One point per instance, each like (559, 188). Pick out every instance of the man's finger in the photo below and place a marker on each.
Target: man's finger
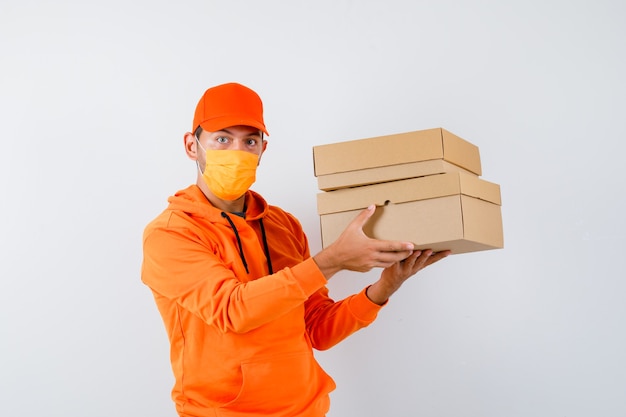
(391, 257)
(364, 216)
(394, 246)
(437, 256)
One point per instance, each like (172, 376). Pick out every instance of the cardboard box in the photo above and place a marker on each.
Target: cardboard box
(455, 211)
(367, 176)
(392, 150)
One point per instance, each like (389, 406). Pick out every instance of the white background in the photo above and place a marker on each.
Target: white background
(95, 97)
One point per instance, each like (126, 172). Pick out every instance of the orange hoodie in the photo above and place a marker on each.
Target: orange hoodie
(244, 305)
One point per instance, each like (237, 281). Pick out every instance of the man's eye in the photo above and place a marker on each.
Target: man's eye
(222, 139)
(252, 142)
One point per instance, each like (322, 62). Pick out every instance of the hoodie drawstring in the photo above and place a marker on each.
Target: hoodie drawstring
(266, 248)
(243, 258)
(240, 246)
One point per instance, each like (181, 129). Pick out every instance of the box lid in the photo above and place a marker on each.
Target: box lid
(396, 149)
(395, 192)
(384, 174)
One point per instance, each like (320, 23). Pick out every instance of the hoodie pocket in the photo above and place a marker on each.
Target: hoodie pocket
(286, 384)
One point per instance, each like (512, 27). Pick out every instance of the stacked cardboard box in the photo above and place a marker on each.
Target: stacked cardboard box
(425, 183)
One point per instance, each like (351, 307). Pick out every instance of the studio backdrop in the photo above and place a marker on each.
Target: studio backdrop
(95, 98)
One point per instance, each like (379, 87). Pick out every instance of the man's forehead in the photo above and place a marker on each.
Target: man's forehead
(241, 129)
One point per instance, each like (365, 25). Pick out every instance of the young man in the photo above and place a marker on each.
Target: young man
(242, 300)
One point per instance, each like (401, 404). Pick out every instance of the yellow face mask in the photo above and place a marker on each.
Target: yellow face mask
(229, 173)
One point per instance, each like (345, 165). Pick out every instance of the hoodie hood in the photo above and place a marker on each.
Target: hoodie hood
(192, 201)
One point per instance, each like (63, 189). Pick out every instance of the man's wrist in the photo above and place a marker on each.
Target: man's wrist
(376, 295)
(325, 263)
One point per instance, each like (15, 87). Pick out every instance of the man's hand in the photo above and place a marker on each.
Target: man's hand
(395, 275)
(355, 251)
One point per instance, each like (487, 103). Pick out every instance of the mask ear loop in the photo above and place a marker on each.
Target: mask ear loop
(203, 150)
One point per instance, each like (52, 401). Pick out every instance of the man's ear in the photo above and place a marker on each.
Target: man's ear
(191, 146)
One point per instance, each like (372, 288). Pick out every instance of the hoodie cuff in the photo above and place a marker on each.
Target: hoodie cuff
(363, 308)
(309, 276)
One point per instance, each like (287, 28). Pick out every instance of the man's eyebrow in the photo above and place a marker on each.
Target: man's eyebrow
(258, 133)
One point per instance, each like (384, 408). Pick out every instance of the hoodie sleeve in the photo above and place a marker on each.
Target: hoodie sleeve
(329, 322)
(179, 266)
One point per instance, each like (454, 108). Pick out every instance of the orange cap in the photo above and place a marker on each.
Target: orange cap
(228, 105)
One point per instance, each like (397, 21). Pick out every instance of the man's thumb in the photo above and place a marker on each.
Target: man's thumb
(364, 216)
